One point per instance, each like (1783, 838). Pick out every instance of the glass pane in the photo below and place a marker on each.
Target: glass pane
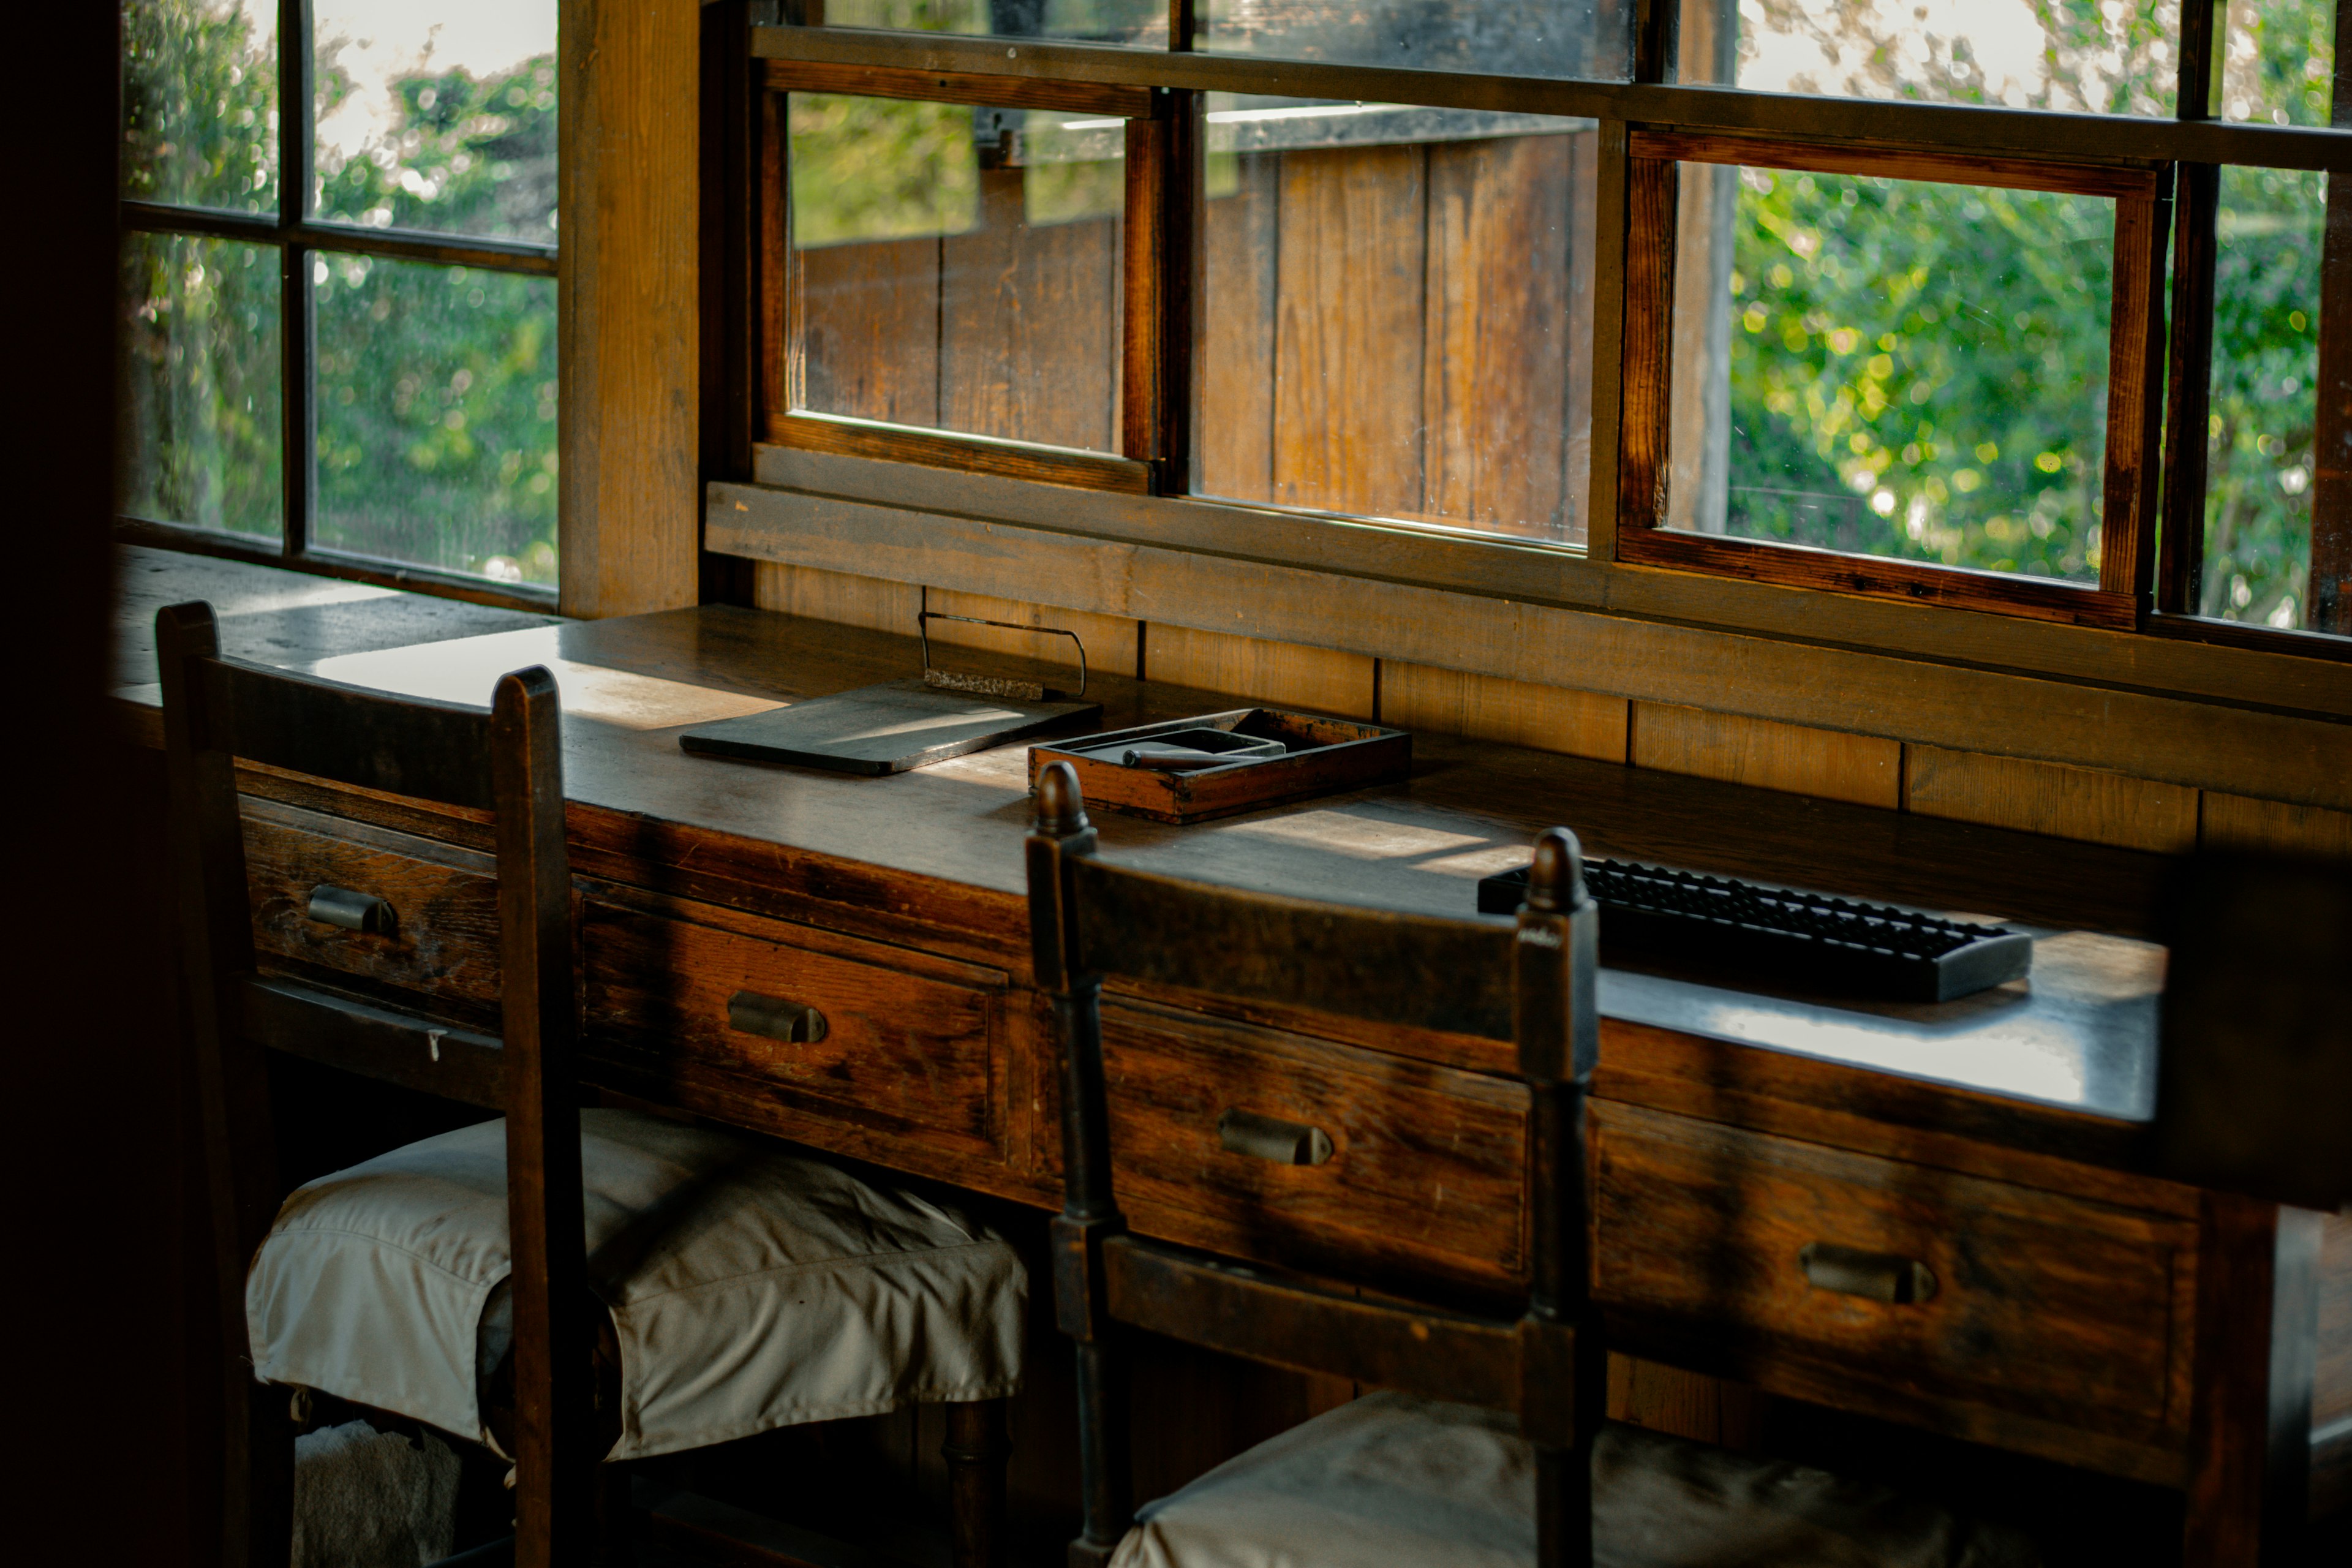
(2258, 488)
(437, 415)
(1904, 369)
(2277, 59)
(959, 267)
(2118, 56)
(1398, 313)
(200, 103)
(1524, 37)
(1139, 22)
(437, 117)
(201, 430)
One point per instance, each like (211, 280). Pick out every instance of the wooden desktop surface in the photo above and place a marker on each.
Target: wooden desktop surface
(1998, 1136)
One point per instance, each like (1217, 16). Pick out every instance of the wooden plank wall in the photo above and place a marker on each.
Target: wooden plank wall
(1004, 330)
(2003, 792)
(1405, 331)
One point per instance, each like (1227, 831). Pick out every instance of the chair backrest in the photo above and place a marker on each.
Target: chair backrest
(2254, 1091)
(506, 759)
(1531, 983)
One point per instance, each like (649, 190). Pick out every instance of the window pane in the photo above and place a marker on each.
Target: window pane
(1143, 23)
(437, 117)
(2118, 57)
(1914, 370)
(200, 103)
(1398, 313)
(201, 431)
(959, 267)
(2278, 57)
(2258, 489)
(1524, 37)
(437, 415)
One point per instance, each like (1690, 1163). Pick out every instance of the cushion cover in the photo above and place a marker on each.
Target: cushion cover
(1389, 1480)
(748, 1288)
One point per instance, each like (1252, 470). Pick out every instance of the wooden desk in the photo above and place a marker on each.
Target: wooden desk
(2087, 1312)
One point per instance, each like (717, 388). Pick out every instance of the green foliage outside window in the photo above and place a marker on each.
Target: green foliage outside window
(1858, 444)
(435, 385)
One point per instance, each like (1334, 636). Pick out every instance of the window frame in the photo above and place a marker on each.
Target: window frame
(297, 235)
(1650, 103)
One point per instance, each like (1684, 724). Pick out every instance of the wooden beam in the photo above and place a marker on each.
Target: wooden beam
(627, 305)
(2244, 751)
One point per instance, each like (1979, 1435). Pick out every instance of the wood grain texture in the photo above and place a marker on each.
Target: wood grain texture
(1645, 389)
(1349, 349)
(840, 596)
(2240, 822)
(1239, 251)
(2135, 399)
(626, 306)
(903, 1055)
(967, 453)
(1320, 680)
(1427, 1164)
(2046, 1305)
(1143, 299)
(2040, 797)
(1029, 343)
(1802, 566)
(1864, 769)
(2089, 179)
(1495, 367)
(869, 340)
(1684, 1404)
(956, 86)
(1516, 713)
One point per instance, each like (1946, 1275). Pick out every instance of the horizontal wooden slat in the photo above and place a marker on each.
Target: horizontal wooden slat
(1802, 566)
(1439, 1355)
(399, 746)
(2245, 746)
(403, 1048)
(2286, 674)
(2086, 179)
(958, 86)
(1407, 970)
(954, 449)
(1955, 127)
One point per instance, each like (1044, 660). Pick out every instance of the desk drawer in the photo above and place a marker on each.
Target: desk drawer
(905, 1062)
(2046, 1305)
(445, 901)
(1423, 1169)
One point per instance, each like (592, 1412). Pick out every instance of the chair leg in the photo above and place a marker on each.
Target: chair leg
(1104, 1464)
(257, 1513)
(616, 1544)
(1564, 1506)
(975, 1451)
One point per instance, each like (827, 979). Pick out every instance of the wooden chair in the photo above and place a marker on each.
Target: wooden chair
(1531, 983)
(653, 1198)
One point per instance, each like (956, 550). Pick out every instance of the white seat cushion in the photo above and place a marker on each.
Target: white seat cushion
(1389, 1481)
(749, 1288)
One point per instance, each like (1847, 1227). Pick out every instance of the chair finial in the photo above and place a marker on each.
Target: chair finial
(1556, 882)
(1061, 808)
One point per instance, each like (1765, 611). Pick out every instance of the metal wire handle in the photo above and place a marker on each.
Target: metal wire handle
(922, 630)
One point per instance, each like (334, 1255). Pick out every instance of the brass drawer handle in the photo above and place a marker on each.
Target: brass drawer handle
(794, 1023)
(351, 910)
(1874, 1276)
(1270, 1138)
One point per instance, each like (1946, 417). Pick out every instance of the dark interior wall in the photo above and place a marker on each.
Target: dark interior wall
(85, 1087)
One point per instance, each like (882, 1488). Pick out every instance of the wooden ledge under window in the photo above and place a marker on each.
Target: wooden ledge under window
(971, 454)
(1803, 566)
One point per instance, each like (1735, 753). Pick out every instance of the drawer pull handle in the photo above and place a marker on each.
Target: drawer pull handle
(794, 1023)
(352, 911)
(1874, 1276)
(1270, 1138)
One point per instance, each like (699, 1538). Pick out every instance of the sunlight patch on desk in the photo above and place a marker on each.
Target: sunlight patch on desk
(467, 670)
(1361, 838)
(961, 716)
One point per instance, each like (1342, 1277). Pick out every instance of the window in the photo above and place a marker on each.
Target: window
(338, 285)
(2024, 310)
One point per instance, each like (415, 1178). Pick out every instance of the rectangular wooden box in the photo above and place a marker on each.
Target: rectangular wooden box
(1326, 756)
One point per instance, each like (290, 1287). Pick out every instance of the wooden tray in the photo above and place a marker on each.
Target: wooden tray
(1326, 756)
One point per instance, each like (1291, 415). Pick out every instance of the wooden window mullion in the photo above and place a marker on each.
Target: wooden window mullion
(297, 317)
(1142, 436)
(2134, 397)
(2328, 608)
